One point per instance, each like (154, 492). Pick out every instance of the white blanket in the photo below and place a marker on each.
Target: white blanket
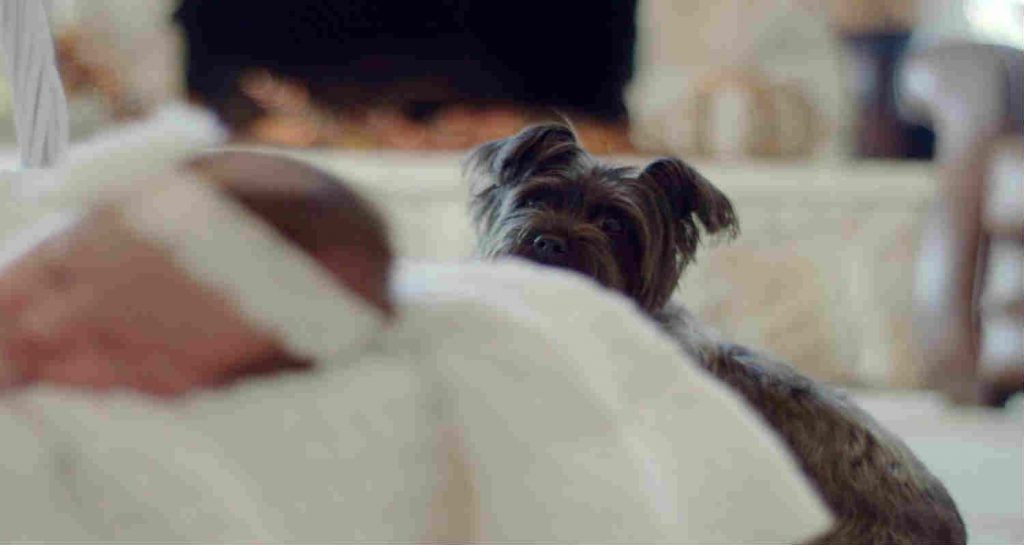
(509, 404)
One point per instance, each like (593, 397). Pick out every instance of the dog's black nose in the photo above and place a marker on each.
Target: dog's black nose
(548, 247)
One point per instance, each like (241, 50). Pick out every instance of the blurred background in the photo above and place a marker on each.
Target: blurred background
(873, 148)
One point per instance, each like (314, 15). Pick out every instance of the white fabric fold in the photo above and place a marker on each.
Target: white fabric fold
(122, 160)
(344, 454)
(107, 167)
(584, 423)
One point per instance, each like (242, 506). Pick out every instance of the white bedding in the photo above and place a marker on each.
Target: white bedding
(568, 418)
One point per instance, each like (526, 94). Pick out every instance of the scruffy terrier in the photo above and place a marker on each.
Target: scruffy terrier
(541, 196)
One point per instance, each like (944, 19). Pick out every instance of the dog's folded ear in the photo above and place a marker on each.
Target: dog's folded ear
(513, 159)
(691, 197)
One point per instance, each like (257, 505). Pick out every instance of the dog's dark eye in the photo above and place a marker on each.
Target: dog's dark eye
(611, 225)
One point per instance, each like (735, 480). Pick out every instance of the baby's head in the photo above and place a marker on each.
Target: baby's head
(315, 211)
(99, 304)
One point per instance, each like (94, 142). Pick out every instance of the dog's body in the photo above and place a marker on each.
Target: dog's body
(539, 195)
(877, 489)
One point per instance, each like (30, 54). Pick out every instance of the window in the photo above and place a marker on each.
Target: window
(1000, 21)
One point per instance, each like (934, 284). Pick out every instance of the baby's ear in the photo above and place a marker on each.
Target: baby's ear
(512, 160)
(692, 199)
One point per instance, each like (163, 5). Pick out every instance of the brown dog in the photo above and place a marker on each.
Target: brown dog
(540, 195)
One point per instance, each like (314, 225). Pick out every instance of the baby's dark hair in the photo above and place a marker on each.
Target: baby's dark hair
(315, 211)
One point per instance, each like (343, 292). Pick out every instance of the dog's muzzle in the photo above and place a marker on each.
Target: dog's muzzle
(550, 249)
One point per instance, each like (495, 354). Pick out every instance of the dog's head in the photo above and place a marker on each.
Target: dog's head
(541, 196)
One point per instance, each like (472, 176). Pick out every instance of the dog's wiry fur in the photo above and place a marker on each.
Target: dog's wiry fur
(540, 195)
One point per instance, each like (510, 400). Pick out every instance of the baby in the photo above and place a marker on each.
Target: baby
(78, 308)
